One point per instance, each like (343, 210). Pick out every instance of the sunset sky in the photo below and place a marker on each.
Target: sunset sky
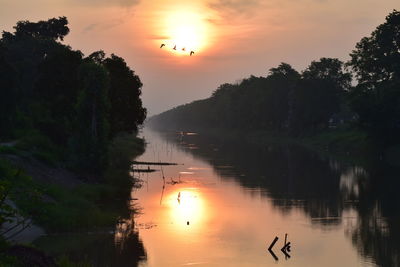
(232, 39)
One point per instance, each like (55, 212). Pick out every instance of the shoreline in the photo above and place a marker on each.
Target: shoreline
(68, 204)
(346, 145)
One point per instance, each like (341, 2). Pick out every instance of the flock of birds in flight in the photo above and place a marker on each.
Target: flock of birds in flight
(183, 49)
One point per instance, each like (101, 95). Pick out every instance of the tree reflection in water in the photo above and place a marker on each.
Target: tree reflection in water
(322, 188)
(122, 248)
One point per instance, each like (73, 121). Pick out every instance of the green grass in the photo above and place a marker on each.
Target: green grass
(35, 144)
(66, 210)
(87, 206)
(123, 150)
(64, 261)
(9, 150)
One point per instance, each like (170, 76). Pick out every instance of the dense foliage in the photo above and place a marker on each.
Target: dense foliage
(72, 103)
(324, 95)
(376, 63)
(283, 101)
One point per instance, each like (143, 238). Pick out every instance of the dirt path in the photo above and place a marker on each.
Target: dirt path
(44, 173)
(17, 232)
(9, 144)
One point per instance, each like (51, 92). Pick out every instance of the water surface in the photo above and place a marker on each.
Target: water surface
(227, 200)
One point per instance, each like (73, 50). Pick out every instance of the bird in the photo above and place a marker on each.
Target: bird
(174, 47)
(162, 45)
(184, 49)
(191, 53)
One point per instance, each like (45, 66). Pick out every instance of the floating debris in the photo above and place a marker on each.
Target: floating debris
(153, 163)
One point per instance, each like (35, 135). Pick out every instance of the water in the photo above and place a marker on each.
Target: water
(226, 201)
(233, 199)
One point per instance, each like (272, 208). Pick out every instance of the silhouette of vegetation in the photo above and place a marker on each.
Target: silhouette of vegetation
(67, 111)
(376, 97)
(321, 97)
(284, 101)
(74, 104)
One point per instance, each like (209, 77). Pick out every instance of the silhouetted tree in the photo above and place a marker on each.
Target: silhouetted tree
(8, 95)
(53, 92)
(283, 81)
(27, 47)
(319, 94)
(126, 111)
(56, 89)
(91, 128)
(375, 62)
(329, 69)
(51, 29)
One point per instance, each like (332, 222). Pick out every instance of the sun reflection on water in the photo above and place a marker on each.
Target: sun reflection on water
(187, 207)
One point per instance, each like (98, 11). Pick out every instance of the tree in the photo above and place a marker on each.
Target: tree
(53, 29)
(126, 111)
(90, 140)
(377, 58)
(282, 81)
(55, 91)
(320, 93)
(329, 69)
(376, 63)
(27, 48)
(8, 95)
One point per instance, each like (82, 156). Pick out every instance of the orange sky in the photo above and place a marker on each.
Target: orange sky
(231, 38)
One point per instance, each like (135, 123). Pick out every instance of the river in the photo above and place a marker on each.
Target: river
(226, 201)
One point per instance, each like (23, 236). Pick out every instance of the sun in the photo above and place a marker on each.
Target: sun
(185, 31)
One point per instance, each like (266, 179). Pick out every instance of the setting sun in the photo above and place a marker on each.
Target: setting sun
(185, 31)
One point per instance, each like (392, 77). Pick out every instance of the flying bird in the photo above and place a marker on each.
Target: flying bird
(174, 47)
(191, 53)
(162, 45)
(184, 49)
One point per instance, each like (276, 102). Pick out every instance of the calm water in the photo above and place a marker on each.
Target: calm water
(226, 201)
(232, 199)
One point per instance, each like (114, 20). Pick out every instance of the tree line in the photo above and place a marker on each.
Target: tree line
(364, 92)
(62, 100)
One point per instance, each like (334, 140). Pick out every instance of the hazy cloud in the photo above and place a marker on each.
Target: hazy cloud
(90, 27)
(235, 7)
(157, 37)
(106, 25)
(121, 3)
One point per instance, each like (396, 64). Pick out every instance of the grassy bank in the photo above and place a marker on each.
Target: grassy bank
(70, 203)
(85, 205)
(345, 144)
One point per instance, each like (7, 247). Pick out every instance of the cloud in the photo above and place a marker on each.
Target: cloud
(90, 27)
(228, 8)
(106, 25)
(126, 3)
(157, 37)
(121, 3)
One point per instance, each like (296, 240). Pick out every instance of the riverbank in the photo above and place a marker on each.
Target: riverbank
(63, 201)
(345, 144)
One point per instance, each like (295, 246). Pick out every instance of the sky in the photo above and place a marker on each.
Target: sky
(231, 39)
